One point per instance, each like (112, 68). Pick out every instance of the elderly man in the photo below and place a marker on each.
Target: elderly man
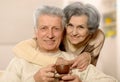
(49, 26)
(49, 29)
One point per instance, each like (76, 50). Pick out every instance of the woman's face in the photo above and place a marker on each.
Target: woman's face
(77, 29)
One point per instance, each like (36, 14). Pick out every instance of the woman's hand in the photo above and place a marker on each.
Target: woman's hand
(45, 74)
(82, 61)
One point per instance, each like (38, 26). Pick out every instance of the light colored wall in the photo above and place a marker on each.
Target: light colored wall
(6, 55)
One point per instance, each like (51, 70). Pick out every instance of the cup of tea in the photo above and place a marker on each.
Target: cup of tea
(62, 69)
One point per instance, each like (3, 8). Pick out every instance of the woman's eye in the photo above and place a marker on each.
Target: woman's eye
(70, 25)
(81, 27)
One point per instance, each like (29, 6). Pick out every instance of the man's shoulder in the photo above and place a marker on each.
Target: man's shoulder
(98, 74)
(94, 75)
(17, 60)
(21, 62)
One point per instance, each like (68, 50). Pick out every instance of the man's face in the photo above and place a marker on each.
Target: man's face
(49, 32)
(77, 30)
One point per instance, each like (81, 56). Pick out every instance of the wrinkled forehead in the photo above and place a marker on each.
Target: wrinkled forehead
(50, 20)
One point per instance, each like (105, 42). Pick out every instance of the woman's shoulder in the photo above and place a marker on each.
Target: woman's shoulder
(98, 37)
(99, 34)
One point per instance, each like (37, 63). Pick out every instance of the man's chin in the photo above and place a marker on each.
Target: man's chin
(50, 48)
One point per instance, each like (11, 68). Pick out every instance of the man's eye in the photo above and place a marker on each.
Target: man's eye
(56, 28)
(43, 28)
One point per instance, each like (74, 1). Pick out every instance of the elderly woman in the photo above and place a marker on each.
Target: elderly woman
(82, 38)
(82, 33)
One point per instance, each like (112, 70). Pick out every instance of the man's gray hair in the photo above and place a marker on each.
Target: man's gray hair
(78, 9)
(49, 10)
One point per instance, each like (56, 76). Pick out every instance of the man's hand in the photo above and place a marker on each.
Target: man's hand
(70, 78)
(45, 74)
(82, 61)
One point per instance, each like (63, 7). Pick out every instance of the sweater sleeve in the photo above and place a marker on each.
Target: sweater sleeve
(27, 50)
(95, 45)
(13, 72)
(98, 46)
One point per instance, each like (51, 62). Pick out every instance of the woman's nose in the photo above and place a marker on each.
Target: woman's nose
(74, 32)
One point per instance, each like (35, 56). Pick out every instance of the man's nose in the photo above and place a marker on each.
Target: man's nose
(50, 34)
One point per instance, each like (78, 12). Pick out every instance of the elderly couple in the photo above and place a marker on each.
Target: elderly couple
(74, 30)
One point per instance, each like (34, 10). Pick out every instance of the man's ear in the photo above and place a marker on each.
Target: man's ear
(35, 32)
